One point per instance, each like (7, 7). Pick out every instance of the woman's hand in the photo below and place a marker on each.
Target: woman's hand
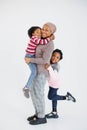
(27, 60)
(52, 37)
(46, 65)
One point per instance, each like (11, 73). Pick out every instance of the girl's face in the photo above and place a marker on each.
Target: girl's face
(46, 32)
(37, 32)
(55, 57)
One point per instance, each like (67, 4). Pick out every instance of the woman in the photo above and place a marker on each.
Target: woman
(43, 55)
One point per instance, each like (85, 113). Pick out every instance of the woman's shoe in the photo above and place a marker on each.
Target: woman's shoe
(34, 117)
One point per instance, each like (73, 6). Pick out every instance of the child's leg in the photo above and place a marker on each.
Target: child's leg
(33, 74)
(52, 95)
(52, 92)
(33, 69)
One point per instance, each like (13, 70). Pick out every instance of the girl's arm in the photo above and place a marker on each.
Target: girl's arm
(37, 40)
(45, 57)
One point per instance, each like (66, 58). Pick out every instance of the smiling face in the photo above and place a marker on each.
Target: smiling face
(37, 32)
(55, 57)
(46, 31)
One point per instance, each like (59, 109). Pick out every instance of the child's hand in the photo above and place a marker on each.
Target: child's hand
(27, 60)
(46, 65)
(52, 37)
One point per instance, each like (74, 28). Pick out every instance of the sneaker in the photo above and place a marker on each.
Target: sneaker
(26, 92)
(70, 97)
(38, 121)
(52, 115)
(34, 117)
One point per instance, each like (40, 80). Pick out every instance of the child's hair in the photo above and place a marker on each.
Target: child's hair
(32, 29)
(60, 52)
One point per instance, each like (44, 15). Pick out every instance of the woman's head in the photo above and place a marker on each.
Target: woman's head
(34, 31)
(57, 55)
(48, 29)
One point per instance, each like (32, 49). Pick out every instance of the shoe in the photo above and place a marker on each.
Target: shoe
(70, 97)
(52, 115)
(26, 92)
(32, 118)
(38, 121)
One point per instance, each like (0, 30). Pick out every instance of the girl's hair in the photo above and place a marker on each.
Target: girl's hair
(60, 52)
(32, 29)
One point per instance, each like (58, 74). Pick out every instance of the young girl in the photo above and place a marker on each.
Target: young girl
(53, 81)
(35, 38)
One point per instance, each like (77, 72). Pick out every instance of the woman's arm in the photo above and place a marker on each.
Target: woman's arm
(45, 57)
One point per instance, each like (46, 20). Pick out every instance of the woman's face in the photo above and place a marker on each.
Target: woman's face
(46, 32)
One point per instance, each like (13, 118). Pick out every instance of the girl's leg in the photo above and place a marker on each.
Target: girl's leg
(52, 92)
(33, 74)
(52, 95)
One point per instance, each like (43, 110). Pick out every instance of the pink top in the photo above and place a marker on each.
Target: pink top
(53, 78)
(34, 42)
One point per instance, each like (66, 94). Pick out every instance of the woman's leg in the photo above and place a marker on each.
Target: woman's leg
(37, 95)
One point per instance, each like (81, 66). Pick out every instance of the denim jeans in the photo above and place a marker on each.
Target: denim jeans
(52, 95)
(33, 69)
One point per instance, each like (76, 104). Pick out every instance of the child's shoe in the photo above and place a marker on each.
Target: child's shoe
(70, 97)
(52, 115)
(26, 92)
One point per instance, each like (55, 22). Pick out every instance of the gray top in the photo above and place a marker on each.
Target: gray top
(43, 55)
(55, 67)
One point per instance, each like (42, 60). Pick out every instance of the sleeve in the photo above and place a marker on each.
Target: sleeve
(45, 57)
(53, 73)
(37, 40)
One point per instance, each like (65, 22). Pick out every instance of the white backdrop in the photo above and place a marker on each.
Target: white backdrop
(16, 17)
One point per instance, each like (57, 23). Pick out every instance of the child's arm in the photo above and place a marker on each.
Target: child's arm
(53, 78)
(45, 57)
(53, 73)
(45, 41)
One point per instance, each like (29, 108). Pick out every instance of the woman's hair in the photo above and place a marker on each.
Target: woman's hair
(60, 52)
(32, 29)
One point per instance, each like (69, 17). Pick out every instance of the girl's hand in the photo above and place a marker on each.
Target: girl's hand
(27, 60)
(46, 65)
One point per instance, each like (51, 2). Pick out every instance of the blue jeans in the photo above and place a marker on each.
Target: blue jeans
(33, 69)
(52, 95)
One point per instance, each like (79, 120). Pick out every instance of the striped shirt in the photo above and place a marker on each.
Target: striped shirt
(34, 42)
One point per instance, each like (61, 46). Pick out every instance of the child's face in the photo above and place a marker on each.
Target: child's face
(37, 32)
(55, 57)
